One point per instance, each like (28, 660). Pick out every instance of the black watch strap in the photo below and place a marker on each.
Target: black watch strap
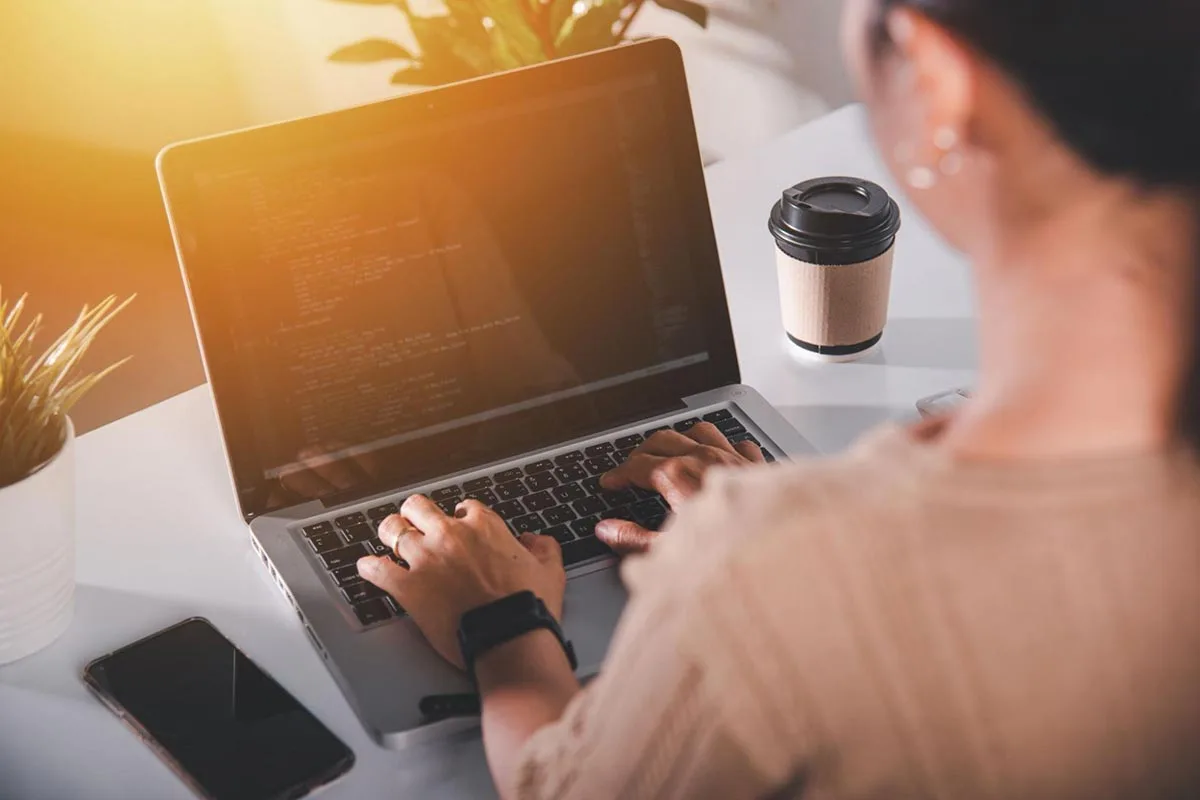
(484, 628)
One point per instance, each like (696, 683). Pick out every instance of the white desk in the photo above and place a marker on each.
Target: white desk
(160, 540)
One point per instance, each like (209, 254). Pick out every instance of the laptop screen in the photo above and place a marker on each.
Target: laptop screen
(451, 287)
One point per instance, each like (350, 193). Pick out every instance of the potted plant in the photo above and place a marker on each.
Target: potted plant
(37, 478)
(478, 37)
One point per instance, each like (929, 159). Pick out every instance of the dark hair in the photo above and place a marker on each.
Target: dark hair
(1120, 82)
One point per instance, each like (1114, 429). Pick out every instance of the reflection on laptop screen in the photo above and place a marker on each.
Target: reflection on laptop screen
(392, 287)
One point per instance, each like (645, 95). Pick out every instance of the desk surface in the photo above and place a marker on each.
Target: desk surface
(159, 538)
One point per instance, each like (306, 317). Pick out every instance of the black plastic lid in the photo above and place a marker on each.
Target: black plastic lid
(835, 221)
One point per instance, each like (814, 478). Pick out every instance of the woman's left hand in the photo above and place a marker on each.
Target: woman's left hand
(460, 563)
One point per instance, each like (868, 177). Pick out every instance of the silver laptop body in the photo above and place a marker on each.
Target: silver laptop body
(493, 289)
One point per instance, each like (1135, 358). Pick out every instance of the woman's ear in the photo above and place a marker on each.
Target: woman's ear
(942, 77)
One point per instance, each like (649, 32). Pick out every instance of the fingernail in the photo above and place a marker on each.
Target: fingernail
(368, 566)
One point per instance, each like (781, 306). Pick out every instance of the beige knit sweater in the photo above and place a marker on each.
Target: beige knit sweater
(893, 624)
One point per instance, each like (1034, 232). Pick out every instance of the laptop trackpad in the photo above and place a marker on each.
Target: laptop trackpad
(591, 610)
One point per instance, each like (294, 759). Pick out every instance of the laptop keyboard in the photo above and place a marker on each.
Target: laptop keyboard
(558, 496)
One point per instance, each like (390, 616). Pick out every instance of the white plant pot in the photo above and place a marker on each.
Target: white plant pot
(37, 555)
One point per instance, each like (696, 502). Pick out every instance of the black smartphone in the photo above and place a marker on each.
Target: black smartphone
(221, 723)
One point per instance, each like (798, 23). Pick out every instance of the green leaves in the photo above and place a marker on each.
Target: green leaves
(594, 29)
(478, 37)
(370, 51)
(38, 391)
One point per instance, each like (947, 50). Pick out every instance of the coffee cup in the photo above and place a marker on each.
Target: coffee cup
(835, 239)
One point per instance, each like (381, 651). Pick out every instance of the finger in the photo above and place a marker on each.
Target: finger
(624, 537)
(751, 452)
(470, 509)
(545, 549)
(668, 443)
(401, 537)
(708, 434)
(386, 574)
(635, 471)
(425, 515)
(676, 479)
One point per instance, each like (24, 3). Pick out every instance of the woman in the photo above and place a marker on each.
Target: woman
(1004, 603)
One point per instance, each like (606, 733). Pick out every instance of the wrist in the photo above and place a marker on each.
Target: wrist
(488, 627)
(535, 657)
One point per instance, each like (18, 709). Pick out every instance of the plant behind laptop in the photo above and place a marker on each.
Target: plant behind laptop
(37, 391)
(479, 37)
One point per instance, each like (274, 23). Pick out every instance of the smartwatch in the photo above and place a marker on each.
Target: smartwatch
(487, 627)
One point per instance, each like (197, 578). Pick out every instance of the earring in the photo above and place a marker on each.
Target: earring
(946, 139)
(922, 178)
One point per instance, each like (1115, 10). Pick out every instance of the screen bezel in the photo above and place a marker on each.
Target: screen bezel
(114, 704)
(179, 164)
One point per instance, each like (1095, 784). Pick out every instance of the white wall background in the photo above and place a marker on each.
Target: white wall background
(136, 74)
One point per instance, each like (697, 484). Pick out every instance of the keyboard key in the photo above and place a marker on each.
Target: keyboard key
(511, 491)
(687, 424)
(621, 456)
(358, 533)
(565, 494)
(373, 611)
(570, 473)
(324, 542)
(361, 592)
(477, 484)
(597, 450)
(643, 494)
(562, 533)
(585, 527)
(380, 513)
(319, 527)
(343, 556)
(625, 497)
(559, 515)
(350, 519)
(485, 496)
(742, 437)
(599, 466)
(620, 512)
(731, 427)
(540, 501)
(514, 474)
(591, 485)
(446, 493)
(589, 505)
(653, 431)
(450, 505)
(530, 523)
(378, 548)
(545, 465)
(650, 514)
(718, 416)
(510, 510)
(584, 550)
(629, 442)
(768, 456)
(344, 576)
(573, 457)
(543, 480)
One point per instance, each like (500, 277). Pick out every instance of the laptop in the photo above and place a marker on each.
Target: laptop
(491, 290)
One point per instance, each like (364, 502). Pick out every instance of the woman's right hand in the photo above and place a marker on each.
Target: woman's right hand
(674, 465)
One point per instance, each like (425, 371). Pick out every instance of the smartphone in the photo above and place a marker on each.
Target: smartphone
(221, 723)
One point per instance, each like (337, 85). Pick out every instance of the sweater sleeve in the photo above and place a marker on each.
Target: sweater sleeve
(657, 722)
